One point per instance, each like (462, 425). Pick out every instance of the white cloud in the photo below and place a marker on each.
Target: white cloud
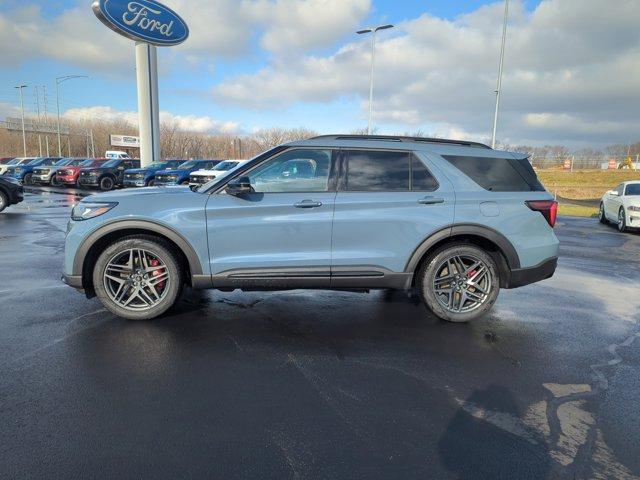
(188, 123)
(572, 72)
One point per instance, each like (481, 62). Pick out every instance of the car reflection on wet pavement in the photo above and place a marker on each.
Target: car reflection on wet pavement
(313, 384)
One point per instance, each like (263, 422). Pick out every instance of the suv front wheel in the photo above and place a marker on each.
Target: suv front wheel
(459, 282)
(138, 277)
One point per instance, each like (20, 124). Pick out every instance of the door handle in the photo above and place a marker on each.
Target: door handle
(430, 200)
(307, 204)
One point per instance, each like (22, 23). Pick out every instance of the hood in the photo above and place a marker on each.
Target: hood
(131, 194)
(139, 170)
(172, 172)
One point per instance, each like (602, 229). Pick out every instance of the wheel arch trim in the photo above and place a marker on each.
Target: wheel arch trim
(507, 248)
(195, 267)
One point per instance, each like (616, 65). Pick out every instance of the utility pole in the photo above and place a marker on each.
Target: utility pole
(46, 118)
(60, 80)
(93, 147)
(38, 127)
(500, 67)
(24, 135)
(373, 30)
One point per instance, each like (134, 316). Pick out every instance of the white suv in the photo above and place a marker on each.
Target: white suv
(200, 177)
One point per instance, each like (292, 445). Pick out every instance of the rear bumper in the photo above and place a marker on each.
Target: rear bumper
(526, 276)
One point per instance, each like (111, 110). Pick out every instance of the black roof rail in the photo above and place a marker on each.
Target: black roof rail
(395, 138)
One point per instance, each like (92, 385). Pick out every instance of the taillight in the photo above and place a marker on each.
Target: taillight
(548, 209)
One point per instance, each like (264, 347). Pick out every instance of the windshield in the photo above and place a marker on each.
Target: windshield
(63, 163)
(15, 161)
(87, 163)
(188, 165)
(224, 166)
(112, 163)
(158, 165)
(633, 189)
(35, 161)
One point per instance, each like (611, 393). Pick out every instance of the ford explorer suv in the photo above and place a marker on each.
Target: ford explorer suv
(107, 176)
(146, 176)
(69, 175)
(454, 221)
(200, 177)
(180, 175)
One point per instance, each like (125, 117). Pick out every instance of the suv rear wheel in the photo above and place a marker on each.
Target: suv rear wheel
(601, 215)
(138, 277)
(459, 282)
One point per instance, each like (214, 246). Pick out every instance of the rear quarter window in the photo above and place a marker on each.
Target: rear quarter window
(498, 174)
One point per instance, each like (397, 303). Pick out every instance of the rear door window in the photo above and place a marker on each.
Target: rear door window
(498, 174)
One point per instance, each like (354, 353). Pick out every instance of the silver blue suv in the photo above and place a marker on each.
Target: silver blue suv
(453, 220)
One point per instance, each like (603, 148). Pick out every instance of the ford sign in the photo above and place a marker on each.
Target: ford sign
(142, 20)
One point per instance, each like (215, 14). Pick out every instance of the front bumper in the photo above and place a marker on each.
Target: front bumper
(41, 178)
(88, 181)
(134, 183)
(526, 276)
(67, 180)
(74, 281)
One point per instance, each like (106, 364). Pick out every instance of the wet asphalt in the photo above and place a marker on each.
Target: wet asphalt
(308, 384)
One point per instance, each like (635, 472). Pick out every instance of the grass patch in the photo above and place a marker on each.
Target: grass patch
(584, 184)
(577, 211)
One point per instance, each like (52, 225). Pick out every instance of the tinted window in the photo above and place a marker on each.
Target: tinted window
(305, 170)
(421, 178)
(498, 174)
(371, 171)
(633, 189)
(112, 163)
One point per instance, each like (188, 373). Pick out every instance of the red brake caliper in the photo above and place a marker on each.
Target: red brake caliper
(157, 273)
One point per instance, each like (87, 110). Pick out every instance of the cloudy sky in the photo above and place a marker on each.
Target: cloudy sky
(572, 68)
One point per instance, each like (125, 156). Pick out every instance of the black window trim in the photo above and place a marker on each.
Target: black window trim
(342, 186)
(276, 152)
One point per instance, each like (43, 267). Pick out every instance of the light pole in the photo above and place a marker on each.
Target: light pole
(373, 30)
(24, 135)
(60, 80)
(499, 88)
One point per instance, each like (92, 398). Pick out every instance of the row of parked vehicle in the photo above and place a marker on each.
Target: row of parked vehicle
(109, 173)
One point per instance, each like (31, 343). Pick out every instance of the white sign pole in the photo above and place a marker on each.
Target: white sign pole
(148, 107)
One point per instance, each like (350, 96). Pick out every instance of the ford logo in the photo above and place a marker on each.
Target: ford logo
(142, 20)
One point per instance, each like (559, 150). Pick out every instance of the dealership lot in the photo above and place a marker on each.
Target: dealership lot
(307, 384)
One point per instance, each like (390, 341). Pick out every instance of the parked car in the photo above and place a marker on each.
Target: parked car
(116, 154)
(46, 175)
(180, 175)
(454, 220)
(24, 172)
(622, 206)
(107, 176)
(200, 177)
(4, 168)
(5, 160)
(146, 176)
(68, 176)
(10, 192)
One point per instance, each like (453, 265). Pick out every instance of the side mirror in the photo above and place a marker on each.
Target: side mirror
(239, 186)
(613, 192)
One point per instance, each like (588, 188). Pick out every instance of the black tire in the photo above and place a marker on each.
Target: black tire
(186, 182)
(106, 184)
(28, 179)
(55, 182)
(432, 267)
(601, 215)
(4, 201)
(151, 183)
(158, 247)
(622, 220)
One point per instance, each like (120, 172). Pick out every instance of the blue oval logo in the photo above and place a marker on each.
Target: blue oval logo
(142, 20)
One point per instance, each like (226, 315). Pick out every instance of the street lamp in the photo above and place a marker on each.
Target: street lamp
(24, 135)
(60, 80)
(499, 88)
(373, 30)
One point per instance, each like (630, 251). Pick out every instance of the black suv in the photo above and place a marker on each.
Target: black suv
(10, 192)
(107, 176)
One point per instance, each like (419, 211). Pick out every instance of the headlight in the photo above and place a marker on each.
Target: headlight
(85, 211)
(633, 208)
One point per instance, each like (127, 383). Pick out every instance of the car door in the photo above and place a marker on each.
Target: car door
(280, 233)
(614, 202)
(388, 203)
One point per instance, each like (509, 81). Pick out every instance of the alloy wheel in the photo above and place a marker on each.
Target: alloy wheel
(621, 220)
(136, 279)
(462, 283)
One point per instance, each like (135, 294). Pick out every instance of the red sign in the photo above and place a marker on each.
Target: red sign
(612, 164)
(567, 164)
